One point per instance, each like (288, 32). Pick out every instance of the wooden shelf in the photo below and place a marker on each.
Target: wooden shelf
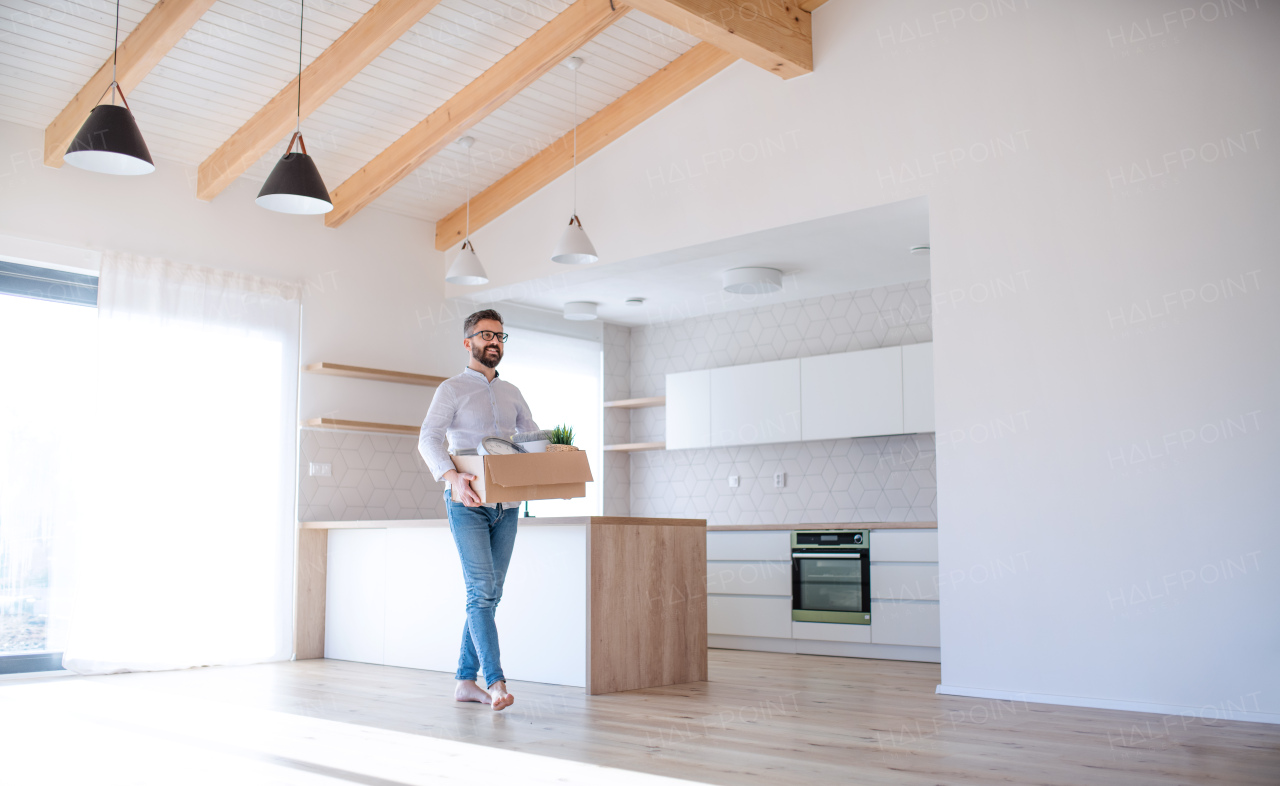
(638, 403)
(632, 447)
(380, 375)
(360, 425)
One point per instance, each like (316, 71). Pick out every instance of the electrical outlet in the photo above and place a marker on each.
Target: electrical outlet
(321, 470)
(779, 480)
(733, 481)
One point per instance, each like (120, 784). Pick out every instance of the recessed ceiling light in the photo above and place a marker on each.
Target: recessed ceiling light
(752, 280)
(920, 249)
(634, 301)
(580, 311)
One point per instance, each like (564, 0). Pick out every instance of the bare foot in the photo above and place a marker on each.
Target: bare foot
(499, 697)
(468, 690)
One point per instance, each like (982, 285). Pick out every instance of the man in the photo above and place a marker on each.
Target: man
(466, 408)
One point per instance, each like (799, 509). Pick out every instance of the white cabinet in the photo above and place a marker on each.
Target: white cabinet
(831, 631)
(917, 388)
(852, 394)
(904, 545)
(736, 615)
(356, 595)
(905, 622)
(749, 578)
(748, 545)
(756, 404)
(688, 410)
(897, 581)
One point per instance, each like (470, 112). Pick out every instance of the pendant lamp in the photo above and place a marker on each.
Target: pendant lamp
(295, 186)
(109, 141)
(466, 268)
(575, 247)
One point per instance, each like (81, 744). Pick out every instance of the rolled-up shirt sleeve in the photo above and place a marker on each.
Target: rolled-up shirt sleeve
(432, 439)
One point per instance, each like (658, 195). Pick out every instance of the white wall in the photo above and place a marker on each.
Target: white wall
(1096, 173)
(374, 288)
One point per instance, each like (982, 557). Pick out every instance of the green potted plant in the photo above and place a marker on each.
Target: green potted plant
(561, 439)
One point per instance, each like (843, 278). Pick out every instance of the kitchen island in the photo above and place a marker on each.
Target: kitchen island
(605, 603)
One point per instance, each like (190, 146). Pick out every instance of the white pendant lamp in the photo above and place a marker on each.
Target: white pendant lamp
(575, 247)
(294, 185)
(109, 141)
(466, 268)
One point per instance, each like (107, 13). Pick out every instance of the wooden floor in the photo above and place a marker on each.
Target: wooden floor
(761, 719)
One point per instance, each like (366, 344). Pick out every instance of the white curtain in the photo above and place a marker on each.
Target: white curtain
(561, 380)
(184, 554)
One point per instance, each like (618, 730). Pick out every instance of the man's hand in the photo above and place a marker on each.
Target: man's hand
(460, 482)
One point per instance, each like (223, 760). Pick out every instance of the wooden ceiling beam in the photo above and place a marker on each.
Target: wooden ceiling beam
(549, 46)
(773, 34)
(360, 45)
(643, 101)
(163, 26)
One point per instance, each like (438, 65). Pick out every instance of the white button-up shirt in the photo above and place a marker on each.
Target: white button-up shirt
(466, 409)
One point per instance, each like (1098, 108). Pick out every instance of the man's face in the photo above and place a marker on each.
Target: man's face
(489, 353)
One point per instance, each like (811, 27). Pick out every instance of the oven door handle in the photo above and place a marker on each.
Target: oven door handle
(826, 556)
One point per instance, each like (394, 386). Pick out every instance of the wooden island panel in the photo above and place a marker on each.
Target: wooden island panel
(646, 603)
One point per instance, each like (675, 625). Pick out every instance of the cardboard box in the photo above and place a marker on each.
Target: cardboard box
(525, 476)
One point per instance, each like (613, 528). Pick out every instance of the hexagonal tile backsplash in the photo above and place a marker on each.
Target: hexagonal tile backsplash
(845, 480)
(374, 477)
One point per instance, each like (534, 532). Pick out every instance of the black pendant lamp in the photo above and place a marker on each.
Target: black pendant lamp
(109, 141)
(295, 186)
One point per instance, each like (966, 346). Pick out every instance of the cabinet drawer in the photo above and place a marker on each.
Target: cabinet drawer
(733, 615)
(904, 545)
(904, 582)
(831, 631)
(749, 578)
(904, 622)
(773, 545)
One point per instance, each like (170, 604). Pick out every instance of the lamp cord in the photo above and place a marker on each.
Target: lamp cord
(575, 141)
(469, 194)
(115, 54)
(301, 12)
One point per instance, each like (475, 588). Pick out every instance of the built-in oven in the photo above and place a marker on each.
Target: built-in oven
(831, 576)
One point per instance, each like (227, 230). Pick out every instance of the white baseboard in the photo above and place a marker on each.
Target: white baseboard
(843, 649)
(1207, 712)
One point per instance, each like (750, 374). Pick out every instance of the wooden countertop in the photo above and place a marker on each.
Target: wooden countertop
(546, 521)
(844, 525)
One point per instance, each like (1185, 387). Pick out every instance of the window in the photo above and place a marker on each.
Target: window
(48, 319)
(560, 378)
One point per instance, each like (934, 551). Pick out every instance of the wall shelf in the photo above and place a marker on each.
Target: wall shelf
(638, 403)
(633, 447)
(377, 374)
(333, 424)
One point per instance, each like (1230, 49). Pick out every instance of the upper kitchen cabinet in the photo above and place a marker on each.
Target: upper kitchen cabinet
(755, 404)
(852, 394)
(917, 388)
(689, 410)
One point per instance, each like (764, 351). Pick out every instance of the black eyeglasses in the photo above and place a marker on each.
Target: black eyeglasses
(489, 335)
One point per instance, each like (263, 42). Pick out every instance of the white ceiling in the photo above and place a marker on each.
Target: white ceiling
(242, 52)
(841, 253)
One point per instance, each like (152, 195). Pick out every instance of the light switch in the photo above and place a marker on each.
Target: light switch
(733, 481)
(779, 480)
(321, 470)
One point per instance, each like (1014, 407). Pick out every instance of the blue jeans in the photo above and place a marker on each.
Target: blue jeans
(485, 539)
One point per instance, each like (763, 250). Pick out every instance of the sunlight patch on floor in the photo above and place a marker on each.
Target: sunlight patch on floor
(73, 732)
